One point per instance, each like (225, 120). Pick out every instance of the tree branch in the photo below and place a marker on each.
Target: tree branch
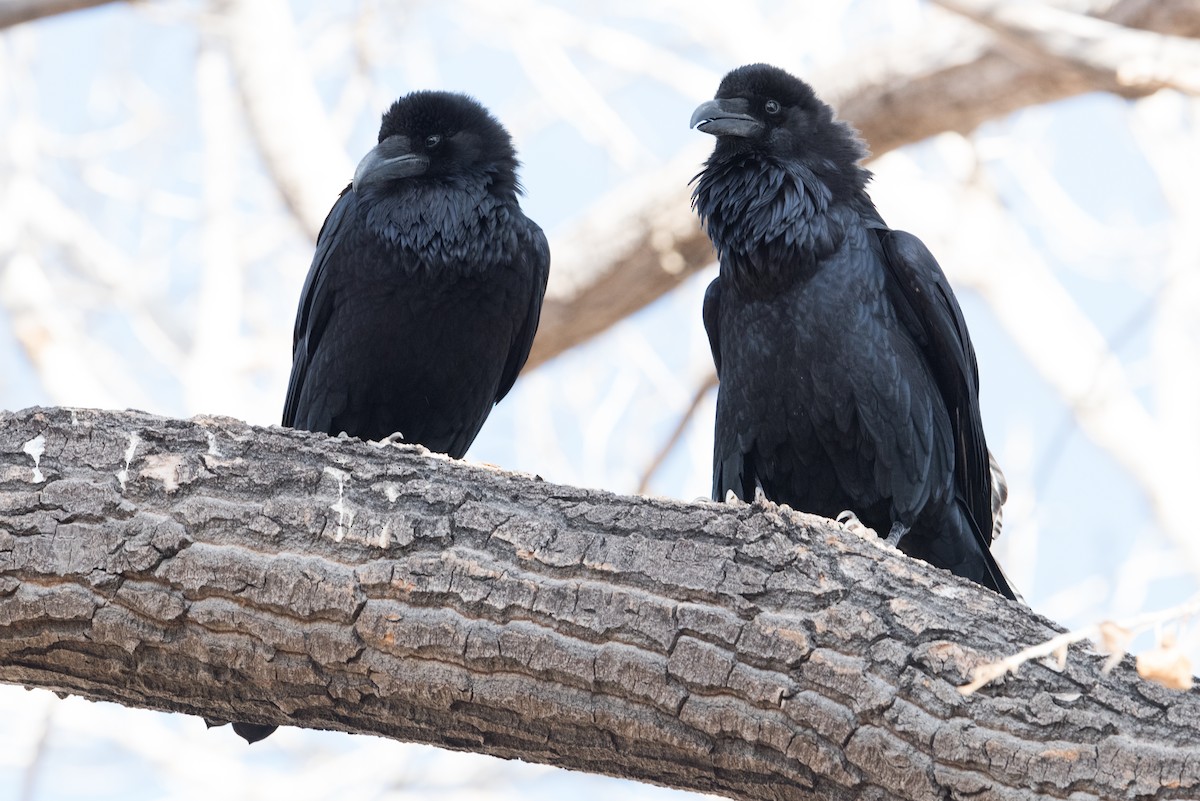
(1143, 60)
(698, 395)
(15, 12)
(288, 121)
(634, 247)
(214, 568)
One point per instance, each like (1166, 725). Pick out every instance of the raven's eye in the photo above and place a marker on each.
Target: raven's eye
(772, 107)
(432, 141)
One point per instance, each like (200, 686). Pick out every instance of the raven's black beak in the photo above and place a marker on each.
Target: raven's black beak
(726, 117)
(390, 159)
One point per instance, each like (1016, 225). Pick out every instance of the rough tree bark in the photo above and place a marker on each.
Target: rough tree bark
(217, 569)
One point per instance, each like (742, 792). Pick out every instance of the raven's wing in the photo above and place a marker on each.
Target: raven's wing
(733, 464)
(926, 306)
(712, 320)
(316, 305)
(536, 258)
(728, 460)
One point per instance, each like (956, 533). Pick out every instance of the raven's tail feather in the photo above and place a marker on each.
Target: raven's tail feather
(993, 577)
(999, 581)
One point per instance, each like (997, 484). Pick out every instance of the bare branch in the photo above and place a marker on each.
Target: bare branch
(1138, 59)
(209, 567)
(635, 246)
(1113, 636)
(1169, 149)
(639, 243)
(15, 12)
(291, 128)
(37, 760)
(706, 386)
(212, 364)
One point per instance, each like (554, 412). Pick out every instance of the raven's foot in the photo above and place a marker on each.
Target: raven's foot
(395, 438)
(763, 502)
(760, 500)
(850, 521)
(896, 534)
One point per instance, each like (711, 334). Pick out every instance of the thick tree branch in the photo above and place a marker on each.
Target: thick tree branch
(635, 247)
(213, 568)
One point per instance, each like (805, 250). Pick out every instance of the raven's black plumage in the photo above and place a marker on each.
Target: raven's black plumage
(425, 290)
(847, 376)
(424, 294)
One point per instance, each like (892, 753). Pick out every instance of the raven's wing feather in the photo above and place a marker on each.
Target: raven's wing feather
(712, 321)
(537, 265)
(926, 306)
(316, 305)
(728, 459)
(733, 463)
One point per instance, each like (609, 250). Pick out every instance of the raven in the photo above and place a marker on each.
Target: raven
(847, 376)
(426, 287)
(425, 290)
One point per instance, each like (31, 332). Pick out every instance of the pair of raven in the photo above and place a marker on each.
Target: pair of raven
(848, 384)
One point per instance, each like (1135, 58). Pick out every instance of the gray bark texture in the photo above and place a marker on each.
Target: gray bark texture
(259, 574)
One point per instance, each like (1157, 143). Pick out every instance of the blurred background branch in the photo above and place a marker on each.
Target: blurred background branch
(636, 245)
(15, 12)
(287, 118)
(1141, 60)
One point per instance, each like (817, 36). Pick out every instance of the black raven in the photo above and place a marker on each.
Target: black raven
(425, 290)
(426, 287)
(847, 376)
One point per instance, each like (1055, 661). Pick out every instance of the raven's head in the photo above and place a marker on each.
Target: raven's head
(762, 109)
(439, 135)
